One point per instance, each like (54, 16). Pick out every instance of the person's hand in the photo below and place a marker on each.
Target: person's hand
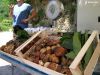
(11, 6)
(25, 20)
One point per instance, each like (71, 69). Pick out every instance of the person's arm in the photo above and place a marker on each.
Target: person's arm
(11, 10)
(31, 16)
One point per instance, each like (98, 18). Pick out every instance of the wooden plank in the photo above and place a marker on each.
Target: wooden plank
(76, 71)
(26, 42)
(98, 37)
(91, 65)
(82, 52)
(20, 54)
(33, 47)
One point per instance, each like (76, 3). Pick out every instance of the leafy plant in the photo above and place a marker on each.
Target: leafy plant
(4, 9)
(75, 42)
(66, 41)
(88, 54)
(70, 9)
(22, 35)
(76, 45)
(6, 24)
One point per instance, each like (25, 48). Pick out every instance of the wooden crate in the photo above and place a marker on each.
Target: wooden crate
(74, 67)
(20, 48)
(90, 67)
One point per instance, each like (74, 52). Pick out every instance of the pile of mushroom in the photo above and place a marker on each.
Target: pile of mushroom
(50, 54)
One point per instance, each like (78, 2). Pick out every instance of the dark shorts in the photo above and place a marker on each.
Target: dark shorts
(16, 28)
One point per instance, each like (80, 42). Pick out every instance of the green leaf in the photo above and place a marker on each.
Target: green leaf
(67, 41)
(89, 52)
(67, 44)
(83, 39)
(70, 55)
(66, 36)
(22, 34)
(76, 46)
(76, 42)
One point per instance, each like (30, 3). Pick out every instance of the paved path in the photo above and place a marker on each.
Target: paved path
(5, 37)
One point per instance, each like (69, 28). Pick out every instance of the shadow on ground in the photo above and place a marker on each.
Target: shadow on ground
(12, 70)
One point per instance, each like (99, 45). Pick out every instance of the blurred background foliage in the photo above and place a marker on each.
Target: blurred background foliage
(39, 6)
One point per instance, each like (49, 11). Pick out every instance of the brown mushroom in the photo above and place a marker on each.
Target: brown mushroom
(37, 48)
(41, 62)
(53, 42)
(53, 66)
(43, 50)
(64, 61)
(59, 51)
(66, 70)
(46, 58)
(2, 48)
(59, 68)
(53, 58)
(46, 64)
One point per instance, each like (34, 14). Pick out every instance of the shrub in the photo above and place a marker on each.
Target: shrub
(6, 24)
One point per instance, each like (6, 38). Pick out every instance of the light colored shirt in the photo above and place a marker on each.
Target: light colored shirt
(20, 13)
